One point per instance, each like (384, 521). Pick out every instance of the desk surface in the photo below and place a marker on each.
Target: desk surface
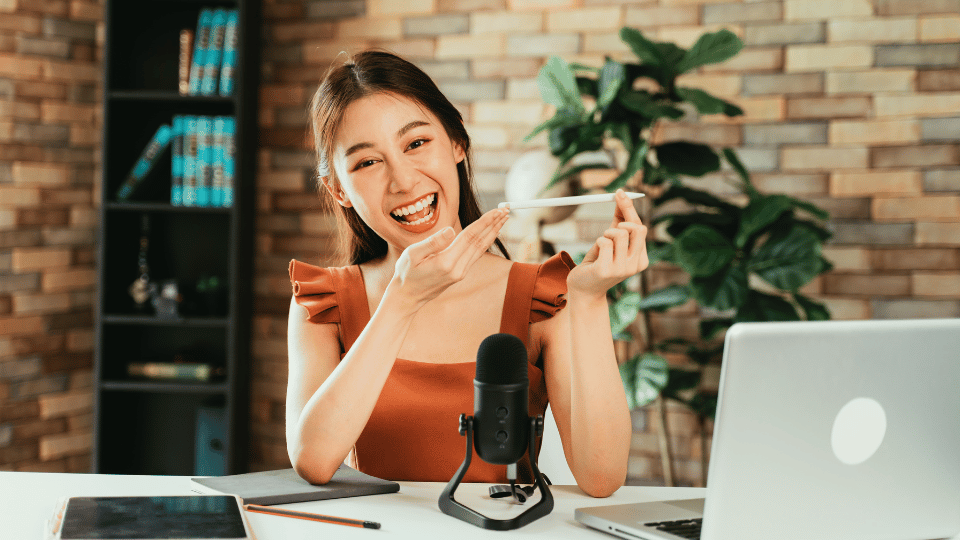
(28, 499)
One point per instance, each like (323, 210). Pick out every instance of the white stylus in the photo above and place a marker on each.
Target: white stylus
(565, 201)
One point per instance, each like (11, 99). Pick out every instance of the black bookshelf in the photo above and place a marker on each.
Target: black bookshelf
(149, 425)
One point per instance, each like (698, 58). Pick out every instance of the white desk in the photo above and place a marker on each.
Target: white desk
(28, 499)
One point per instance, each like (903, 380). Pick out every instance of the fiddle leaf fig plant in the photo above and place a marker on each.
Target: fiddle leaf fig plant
(746, 256)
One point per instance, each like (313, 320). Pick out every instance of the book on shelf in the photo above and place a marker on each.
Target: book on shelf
(176, 166)
(181, 371)
(216, 163)
(186, 53)
(200, 45)
(204, 159)
(144, 164)
(229, 63)
(229, 159)
(211, 71)
(190, 158)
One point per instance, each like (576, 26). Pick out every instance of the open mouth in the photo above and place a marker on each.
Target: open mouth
(418, 213)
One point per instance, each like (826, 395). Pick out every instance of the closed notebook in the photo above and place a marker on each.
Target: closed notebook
(285, 486)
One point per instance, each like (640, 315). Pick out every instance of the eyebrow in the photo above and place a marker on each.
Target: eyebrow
(403, 131)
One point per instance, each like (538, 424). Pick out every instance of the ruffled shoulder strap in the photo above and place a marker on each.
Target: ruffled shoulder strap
(535, 292)
(332, 295)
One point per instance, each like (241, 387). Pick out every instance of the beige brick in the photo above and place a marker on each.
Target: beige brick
(65, 404)
(752, 60)
(84, 216)
(68, 280)
(721, 85)
(797, 184)
(800, 58)
(407, 7)
(823, 158)
(19, 196)
(521, 5)
(25, 259)
(414, 49)
(879, 80)
(755, 109)
(940, 260)
(485, 22)
(542, 44)
(874, 132)
(847, 309)
(608, 43)
(512, 68)
(867, 284)
(57, 446)
(932, 104)
(71, 72)
(506, 112)
(86, 11)
(281, 180)
(54, 112)
(797, 10)
(938, 80)
(300, 30)
(472, 46)
(285, 94)
(487, 136)
(869, 183)
(710, 134)
(20, 110)
(848, 259)
(8, 6)
(828, 107)
(370, 28)
(40, 303)
(942, 28)
(946, 234)
(902, 29)
(324, 53)
(585, 19)
(916, 7)
(937, 284)
(660, 16)
(927, 155)
(20, 67)
(21, 325)
(470, 6)
(929, 208)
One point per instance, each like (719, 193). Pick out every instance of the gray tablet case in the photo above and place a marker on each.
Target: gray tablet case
(285, 486)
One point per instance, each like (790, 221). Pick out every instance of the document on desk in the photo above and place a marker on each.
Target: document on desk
(286, 486)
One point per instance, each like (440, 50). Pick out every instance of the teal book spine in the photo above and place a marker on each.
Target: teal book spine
(200, 41)
(190, 162)
(158, 143)
(216, 193)
(204, 160)
(214, 54)
(176, 165)
(229, 64)
(229, 159)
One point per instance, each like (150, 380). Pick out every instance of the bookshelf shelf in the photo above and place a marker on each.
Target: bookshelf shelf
(203, 254)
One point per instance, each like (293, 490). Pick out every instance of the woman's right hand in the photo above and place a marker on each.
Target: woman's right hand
(425, 269)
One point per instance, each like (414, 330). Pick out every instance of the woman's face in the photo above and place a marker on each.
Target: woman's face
(397, 167)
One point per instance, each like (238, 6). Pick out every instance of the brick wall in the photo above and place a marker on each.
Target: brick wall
(854, 105)
(49, 153)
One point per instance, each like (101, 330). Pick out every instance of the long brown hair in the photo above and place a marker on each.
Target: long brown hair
(368, 73)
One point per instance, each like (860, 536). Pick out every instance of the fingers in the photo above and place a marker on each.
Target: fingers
(625, 212)
(479, 235)
(431, 245)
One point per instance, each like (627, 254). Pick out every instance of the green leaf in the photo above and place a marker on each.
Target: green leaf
(710, 327)
(624, 311)
(563, 118)
(788, 259)
(659, 251)
(665, 298)
(737, 165)
(702, 251)
(642, 102)
(622, 132)
(724, 290)
(691, 159)
(637, 159)
(761, 212)
(609, 82)
(765, 307)
(811, 208)
(724, 222)
(681, 379)
(814, 311)
(708, 104)
(644, 376)
(558, 86)
(697, 197)
(646, 50)
(711, 48)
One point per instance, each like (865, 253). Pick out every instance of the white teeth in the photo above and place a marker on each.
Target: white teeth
(424, 219)
(413, 208)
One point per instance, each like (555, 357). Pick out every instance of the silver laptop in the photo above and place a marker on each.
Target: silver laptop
(824, 430)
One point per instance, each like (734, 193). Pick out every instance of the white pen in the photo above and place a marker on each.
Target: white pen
(565, 201)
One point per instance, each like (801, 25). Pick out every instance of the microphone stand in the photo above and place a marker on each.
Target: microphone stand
(451, 507)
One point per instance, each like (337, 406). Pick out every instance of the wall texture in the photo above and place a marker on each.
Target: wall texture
(49, 156)
(852, 104)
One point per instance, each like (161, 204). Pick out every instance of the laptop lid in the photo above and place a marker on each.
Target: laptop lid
(837, 429)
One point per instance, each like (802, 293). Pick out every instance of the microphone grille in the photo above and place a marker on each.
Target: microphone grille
(501, 359)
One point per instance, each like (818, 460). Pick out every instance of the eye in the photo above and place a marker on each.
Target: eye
(364, 163)
(417, 144)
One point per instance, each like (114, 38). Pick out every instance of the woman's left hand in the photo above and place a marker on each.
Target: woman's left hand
(620, 253)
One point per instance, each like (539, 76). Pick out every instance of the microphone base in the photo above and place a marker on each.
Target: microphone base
(451, 507)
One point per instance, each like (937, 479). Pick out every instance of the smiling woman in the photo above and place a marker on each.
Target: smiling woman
(381, 351)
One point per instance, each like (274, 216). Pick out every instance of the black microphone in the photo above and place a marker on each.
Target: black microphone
(501, 417)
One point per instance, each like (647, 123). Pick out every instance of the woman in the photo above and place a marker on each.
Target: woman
(381, 352)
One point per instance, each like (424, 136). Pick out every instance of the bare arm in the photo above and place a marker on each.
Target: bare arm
(583, 381)
(330, 400)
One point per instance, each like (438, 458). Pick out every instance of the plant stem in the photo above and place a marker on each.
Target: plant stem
(704, 458)
(666, 459)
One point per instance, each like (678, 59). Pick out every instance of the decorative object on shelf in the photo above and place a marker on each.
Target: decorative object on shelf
(183, 371)
(165, 303)
(211, 295)
(141, 290)
(186, 53)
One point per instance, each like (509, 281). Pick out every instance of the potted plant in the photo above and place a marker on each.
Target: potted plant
(746, 257)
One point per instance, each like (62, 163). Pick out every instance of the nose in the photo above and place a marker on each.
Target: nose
(403, 176)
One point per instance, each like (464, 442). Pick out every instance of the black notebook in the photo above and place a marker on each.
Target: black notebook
(285, 486)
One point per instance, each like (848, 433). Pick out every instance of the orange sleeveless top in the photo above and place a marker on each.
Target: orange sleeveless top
(412, 433)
